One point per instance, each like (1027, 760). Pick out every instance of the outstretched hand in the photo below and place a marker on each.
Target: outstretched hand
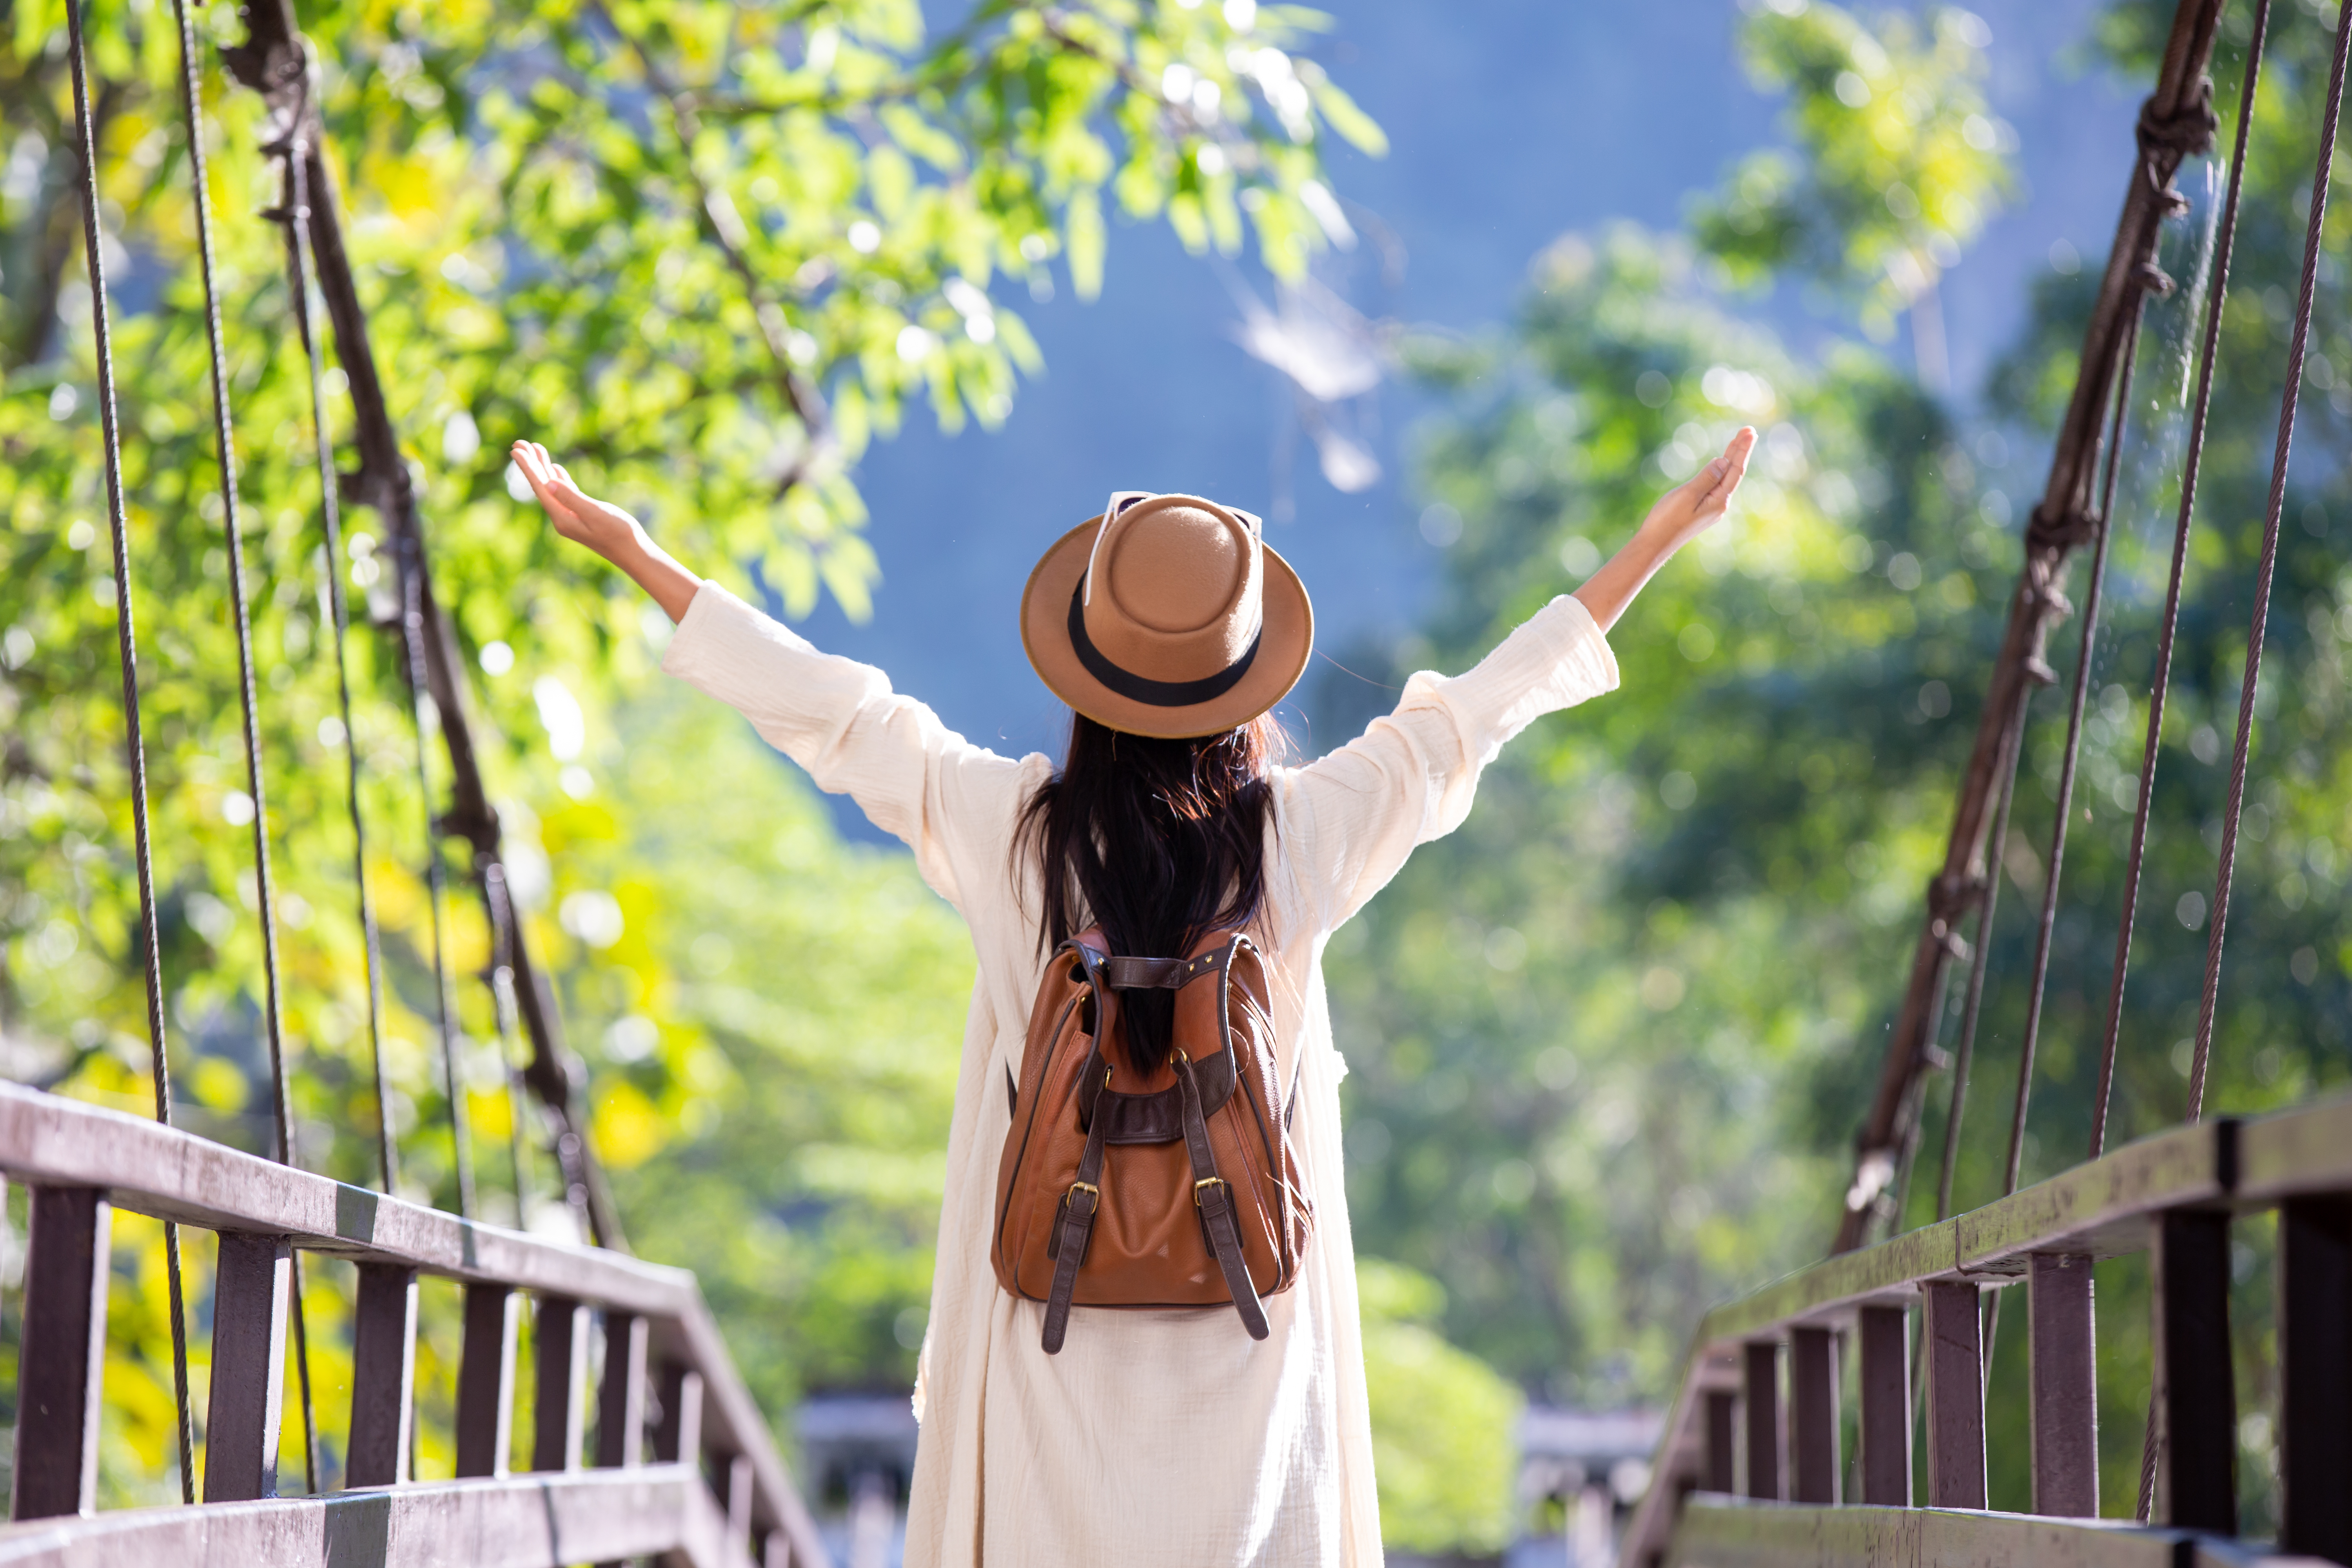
(1682, 514)
(607, 529)
(577, 515)
(1697, 504)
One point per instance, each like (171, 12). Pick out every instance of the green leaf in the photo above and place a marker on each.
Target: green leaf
(1083, 221)
(1339, 111)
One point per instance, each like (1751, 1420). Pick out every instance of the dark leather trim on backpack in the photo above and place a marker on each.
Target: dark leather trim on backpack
(1160, 974)
(1214, 1196)
(1157, 1118)
(1075, 1224)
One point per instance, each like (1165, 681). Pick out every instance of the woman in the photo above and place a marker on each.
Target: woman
(1172, 630)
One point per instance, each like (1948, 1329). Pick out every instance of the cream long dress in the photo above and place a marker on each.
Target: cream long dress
(1155, 1437)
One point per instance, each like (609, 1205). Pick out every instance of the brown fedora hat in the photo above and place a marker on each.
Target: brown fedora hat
(1166, 615)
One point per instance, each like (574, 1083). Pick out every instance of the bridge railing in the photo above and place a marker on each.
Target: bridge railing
(682, 1465)
(1738, 1478)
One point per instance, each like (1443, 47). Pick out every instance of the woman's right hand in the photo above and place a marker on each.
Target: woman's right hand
(577, 515)
(607, 529)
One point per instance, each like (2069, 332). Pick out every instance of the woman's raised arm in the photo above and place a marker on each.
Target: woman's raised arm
(1681, 515)
(1410, 777)
(951, 801)
(607, 529)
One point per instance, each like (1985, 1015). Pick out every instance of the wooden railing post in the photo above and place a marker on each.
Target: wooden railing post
(2195, 1387)
(2061, 1339)
(1955, 1436)
(1762, 1395)
(621, 1399)
(1722, 1440)
(2315, 1320)
(485, 1377)
(678, 1436)
(741, 1489)
(251, 1282)
(558, 1414)
(1885, 1401)
(1812, 1415)
(61, 1355)
(383, 1376)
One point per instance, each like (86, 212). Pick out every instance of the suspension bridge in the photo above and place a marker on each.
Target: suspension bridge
(663, 1452)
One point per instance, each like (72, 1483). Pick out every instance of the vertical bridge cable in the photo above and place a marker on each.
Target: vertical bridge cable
(225, 447)
(297, 154)
(127, 646)
(437, 875)
(296, 216)
(2160, 683)
(2013, 747)
(2105, 525)
(502, 997)
(2296, 342)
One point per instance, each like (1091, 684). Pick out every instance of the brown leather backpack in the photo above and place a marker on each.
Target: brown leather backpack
(1176, 1190)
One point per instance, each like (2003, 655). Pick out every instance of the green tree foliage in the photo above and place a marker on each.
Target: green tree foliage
(1898, 162)
(1442, 1422)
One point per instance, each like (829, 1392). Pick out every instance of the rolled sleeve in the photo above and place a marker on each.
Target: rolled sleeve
(1355, 815)
(838, 719)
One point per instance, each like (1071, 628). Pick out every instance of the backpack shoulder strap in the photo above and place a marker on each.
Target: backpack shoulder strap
(1214, 1196)
(1081, 1205)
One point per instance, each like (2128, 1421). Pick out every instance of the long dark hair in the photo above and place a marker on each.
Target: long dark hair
(1158, 842)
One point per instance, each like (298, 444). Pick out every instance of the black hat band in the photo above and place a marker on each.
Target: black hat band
(1142, 688)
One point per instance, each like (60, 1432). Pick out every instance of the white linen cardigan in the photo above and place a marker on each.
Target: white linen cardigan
(1153, 1438)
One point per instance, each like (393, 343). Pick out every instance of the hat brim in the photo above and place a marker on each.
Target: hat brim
(1288, 640)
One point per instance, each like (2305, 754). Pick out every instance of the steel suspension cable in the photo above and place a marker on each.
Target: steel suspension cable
(436, 875)
(2161, 681)
(2298, 338)
(224, 448)
(127, 648)
(295, 216)
(502, 997)
(2013, 747)
(2105, 523)
(1989, 1328)
(298, 155)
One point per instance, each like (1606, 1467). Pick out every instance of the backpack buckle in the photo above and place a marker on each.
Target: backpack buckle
(1207, 1182)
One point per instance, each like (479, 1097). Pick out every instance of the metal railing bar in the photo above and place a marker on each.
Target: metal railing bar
(134, 746)
(2160, 681)
(2298, 339)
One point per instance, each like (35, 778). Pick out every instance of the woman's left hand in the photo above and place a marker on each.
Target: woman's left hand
(1681, 515)
(1693, 507)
